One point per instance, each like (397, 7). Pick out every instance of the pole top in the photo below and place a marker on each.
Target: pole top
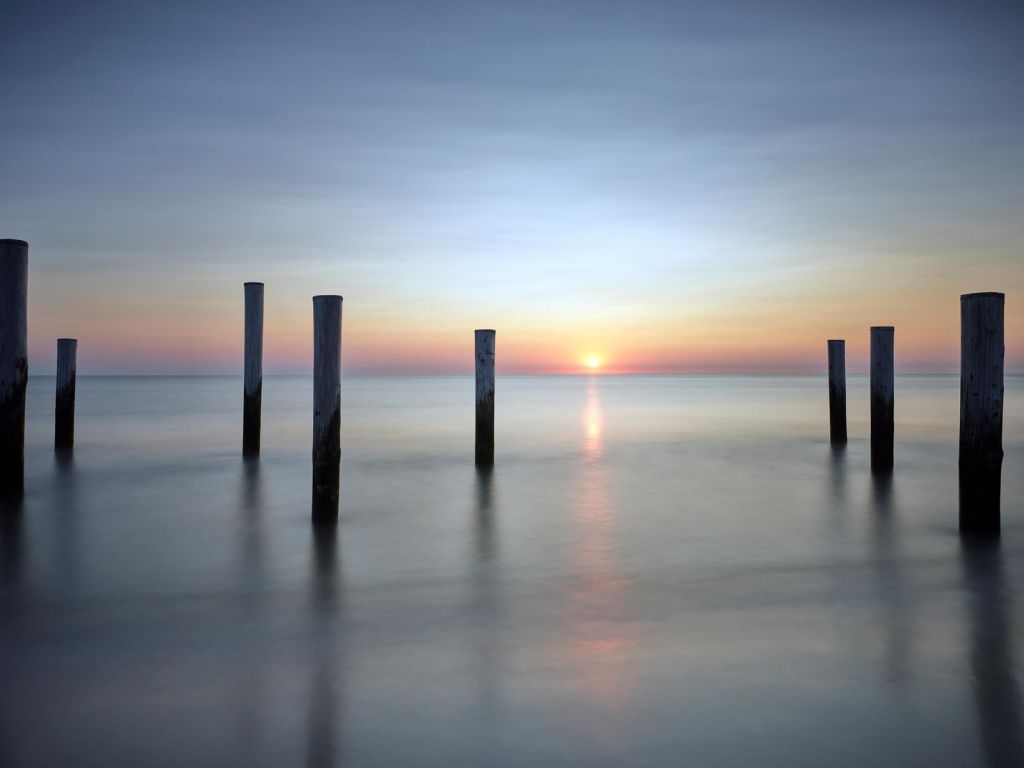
(73, 341)
(484, 330)
(837, 341)
(328, 298)
(983, 295)
(252, 283)
(8, 241)
(882, 328)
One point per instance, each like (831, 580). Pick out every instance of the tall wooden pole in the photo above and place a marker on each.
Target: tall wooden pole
(837, 390)
(64, 407)
(13, 363)
(326, 406)
(882, 391)
(253, 386)
(981, 410)
(484, 397)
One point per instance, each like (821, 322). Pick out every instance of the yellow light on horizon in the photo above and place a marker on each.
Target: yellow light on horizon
(593, 363)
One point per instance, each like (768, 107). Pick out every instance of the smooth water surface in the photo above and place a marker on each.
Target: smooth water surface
(659, 571)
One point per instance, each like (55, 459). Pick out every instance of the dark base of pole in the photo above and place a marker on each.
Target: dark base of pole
(485, 433)
(64, 422)
(251, 418)
(837, 418)
(326, 482)
(12, 477)
(881, 437)
(979, 499)
(12, 439)
(484, 447)
(881, 461)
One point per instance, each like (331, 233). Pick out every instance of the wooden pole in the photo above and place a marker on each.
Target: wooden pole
(981, 410)
(326, 406)
(484, 397)
(13, 363)
(882, 390)
(64, 408)
(253, 386)
(837, 390)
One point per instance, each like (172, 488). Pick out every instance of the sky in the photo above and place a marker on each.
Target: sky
(691, 187)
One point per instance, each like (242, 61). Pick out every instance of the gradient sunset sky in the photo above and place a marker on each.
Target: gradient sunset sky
(667, 186)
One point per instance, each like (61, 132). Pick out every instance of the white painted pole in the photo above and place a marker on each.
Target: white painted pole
(326, 406)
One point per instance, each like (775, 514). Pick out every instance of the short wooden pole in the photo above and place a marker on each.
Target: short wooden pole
(981, 410)
(13, 363)
(326, 406)
(484, 397)
(253, 385)
(837, 390)
(882, 397)
(64, 408)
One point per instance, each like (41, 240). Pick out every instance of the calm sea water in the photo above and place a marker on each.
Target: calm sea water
(659, 571)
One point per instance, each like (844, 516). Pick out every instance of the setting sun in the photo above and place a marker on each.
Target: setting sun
(593, 363)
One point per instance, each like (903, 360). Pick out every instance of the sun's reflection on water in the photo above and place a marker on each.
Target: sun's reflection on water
(599, 638)
(593, 422)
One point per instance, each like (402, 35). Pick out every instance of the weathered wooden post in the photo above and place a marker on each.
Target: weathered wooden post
(13, 363)
(882, 395)
(326, 406)
(981, 410)
(484, 397)
(837, 390)
(253, 386)
(64, 407)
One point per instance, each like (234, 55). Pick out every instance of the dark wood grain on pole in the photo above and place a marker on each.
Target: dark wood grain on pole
(13, 363)
(882, 398)
(326, 406)
(64, 406)
(484, 345)
(253, 384)
(837, 390)
(981, 410)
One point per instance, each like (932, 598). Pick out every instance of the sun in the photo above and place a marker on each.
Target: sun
(593, 363)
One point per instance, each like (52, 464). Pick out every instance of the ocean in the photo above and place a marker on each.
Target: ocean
(658, 571)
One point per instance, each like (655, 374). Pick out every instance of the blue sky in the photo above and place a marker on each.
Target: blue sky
(671, 185)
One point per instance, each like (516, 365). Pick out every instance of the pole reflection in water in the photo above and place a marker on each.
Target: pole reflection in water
(251, 687)
(487, 605)
(66, 521)
(251, 514)
(324, 746)
(837, 515)
(11, 542)
(484, 527)
(837, 476)
(600, 639)
(993, 668)
(887, 557)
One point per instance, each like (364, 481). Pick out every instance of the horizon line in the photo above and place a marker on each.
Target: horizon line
(517, 374)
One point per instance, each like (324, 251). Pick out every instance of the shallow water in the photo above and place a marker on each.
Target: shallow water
(658, 571)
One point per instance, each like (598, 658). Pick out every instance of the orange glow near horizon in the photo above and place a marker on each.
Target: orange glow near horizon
(199, 334)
